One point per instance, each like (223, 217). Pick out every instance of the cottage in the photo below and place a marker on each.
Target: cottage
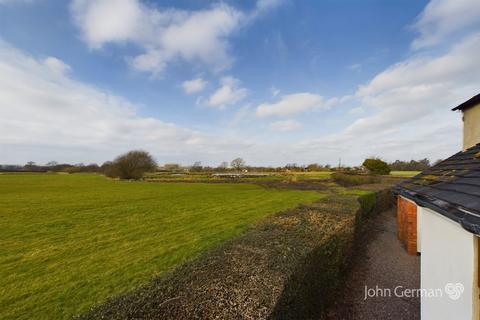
(438, 216)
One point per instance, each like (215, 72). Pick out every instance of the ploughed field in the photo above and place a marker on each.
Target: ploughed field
(68, 242)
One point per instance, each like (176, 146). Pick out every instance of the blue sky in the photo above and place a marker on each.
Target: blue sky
(272, 81)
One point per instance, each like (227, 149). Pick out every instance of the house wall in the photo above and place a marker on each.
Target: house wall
(476, 293)
(471, 127)
(419, 228)
(448, 256)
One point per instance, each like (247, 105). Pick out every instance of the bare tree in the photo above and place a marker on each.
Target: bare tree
(237, 163)
(133, 165)
(109, 169)
(52, 164)
(31, 166)
(223, 165)
(197, 166)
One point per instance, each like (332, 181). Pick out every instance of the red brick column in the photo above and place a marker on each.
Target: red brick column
(411, 242)
(407, 224)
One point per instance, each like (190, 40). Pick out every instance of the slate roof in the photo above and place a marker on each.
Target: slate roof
(451, 188)
(469, 103)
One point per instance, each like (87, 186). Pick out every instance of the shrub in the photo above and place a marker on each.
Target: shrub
(376, 166)
(131, 165)
(348, 180)
(109, 169)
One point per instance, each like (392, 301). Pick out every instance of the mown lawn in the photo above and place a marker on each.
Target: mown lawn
(70, 241)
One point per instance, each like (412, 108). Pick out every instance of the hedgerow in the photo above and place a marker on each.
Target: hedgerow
(349, 180)
(286, 267)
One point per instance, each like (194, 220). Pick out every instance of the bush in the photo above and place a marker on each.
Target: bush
(376, 166)
(109, 169)
(131, 165)
(348, 180)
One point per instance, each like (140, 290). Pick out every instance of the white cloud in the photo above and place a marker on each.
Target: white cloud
(164, 35)
(230, 92)
(442, 18)
(45, 115)
(194, 85)
(241, 115)
(285, 125)
(356, 110)
(355, 67)
(417, 87)
(57, 65)
(407, 109)
(275, 92)
(294, 103)
(106, 21)
(263, 6)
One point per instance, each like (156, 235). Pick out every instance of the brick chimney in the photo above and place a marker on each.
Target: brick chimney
(471, 121)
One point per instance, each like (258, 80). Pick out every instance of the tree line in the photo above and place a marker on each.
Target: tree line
(133, 165)
(412, 165)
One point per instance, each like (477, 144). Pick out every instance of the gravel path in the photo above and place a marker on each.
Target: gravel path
(380, 261)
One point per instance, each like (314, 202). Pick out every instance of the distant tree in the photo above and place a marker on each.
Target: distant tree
(108, 169)
(293, 167)
(197, 166)
(223, 165)
(10, 167)
(171, 166)
(237, 164)
(52, 164)
(30, 166)
(133, 165)
(412, 165)
(376, 166)
(314, 167)
(92, 167)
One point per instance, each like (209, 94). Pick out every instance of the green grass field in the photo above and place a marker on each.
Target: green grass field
(70, 241)
(406, 174)
(324, 175)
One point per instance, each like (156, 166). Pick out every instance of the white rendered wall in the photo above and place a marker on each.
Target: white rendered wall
(448, 256)
(419, 228)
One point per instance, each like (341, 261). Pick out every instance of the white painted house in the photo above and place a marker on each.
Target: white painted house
(438, 217)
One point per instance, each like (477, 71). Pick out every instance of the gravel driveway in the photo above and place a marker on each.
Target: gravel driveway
(383, 266)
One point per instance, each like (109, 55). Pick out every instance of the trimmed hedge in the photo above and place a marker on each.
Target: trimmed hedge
(286, 267)
(349, 180)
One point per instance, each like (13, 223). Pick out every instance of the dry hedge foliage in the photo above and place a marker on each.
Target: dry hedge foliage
(349, 180)
(285, 267)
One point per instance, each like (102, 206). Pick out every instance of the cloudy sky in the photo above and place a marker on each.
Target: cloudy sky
(272, 81)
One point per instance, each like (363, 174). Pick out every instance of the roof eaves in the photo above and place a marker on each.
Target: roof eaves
(468, 220)
(469, 103)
